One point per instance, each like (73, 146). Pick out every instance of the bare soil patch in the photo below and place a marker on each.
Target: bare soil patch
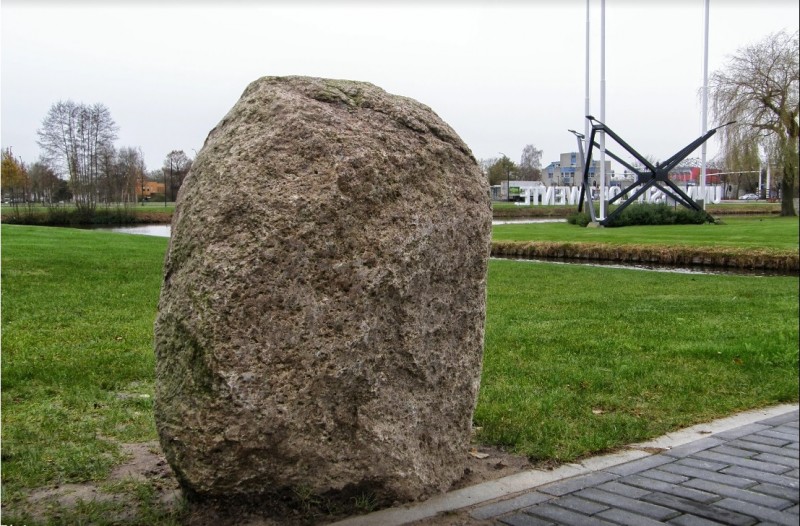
(146, 465)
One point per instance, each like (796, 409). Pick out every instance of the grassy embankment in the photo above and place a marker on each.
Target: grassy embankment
(578, 360)
(69, 215)
(750, 242)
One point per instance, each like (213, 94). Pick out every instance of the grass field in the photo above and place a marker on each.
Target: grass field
(771, 232)
(584, 359)
(77, 359)
(578, 359)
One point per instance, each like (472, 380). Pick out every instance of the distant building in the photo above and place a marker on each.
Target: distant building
(148, 188)
(568, 171)
(501, 191)
(688, 173)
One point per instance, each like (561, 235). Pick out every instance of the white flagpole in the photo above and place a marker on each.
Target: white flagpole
(587, 128)
(702, 185)
(602, 108)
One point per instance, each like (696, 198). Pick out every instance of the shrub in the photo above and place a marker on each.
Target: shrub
(659, 214)
(579, 218)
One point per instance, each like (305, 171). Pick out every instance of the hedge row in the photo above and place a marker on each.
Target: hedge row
(726, 257)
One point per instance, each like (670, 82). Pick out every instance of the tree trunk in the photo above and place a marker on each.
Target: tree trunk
(787, 193)
(789, 181)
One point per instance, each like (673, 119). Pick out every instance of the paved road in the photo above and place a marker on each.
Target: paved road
(744, 476)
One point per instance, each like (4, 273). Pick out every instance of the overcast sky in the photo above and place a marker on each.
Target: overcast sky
(503, 74)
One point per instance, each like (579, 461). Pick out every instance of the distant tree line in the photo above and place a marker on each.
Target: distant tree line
(499, 169)
(79, 163)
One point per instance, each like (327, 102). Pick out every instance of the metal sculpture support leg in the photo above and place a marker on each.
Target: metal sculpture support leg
(586, 192)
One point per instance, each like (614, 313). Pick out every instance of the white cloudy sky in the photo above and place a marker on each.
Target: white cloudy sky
(503, 74)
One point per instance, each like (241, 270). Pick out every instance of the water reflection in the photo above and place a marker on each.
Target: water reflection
(145, 230)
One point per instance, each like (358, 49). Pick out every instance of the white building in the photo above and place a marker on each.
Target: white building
(568, 171)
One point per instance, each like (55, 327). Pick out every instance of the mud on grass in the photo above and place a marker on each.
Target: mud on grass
(141, 490)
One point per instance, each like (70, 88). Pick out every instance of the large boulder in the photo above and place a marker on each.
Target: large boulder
(320, 326)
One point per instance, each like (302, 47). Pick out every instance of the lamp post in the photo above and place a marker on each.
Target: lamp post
(508, 176)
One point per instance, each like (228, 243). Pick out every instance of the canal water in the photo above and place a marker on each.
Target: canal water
(145, 230)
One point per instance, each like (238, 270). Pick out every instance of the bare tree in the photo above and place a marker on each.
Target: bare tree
(176, 167)
(759, 90)
(44, 182)
(74, 137)
(131, 169)
(530, 164)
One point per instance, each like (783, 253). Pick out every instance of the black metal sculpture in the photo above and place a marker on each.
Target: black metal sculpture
(651, 176)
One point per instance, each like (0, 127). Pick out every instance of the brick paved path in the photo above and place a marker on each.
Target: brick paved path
(748, 475)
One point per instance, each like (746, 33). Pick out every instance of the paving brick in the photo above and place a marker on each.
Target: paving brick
(760, 476)
(783, 492)
(747, 495)
(774, 433)
(759, 512)
(564, 516)
(636, 506)
(788, 430)
(770, 441)
(702, 464)
(499, 508)
(792, 462)
(730, 480)
(691, 520)
(734, 451)
(587, 507)
(744, 462)
(795, 474)
(762, 448)
(693, 447)
(793, 445)
(639, 465)
(741, 431)
(707, 511)
(623, 489)
(672, 489)
(657, 474)
(627, 518)
(791, 416)
(795, 510)
(520, 519)
(577, 483)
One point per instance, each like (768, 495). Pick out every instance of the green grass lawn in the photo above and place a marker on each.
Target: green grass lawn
(77, 360)
(578, 359)
(583, 359)
(772, 232)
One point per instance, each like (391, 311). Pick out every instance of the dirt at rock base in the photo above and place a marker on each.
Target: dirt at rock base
(146, 464)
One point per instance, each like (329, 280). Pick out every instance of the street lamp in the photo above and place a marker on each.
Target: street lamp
(508, 177)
